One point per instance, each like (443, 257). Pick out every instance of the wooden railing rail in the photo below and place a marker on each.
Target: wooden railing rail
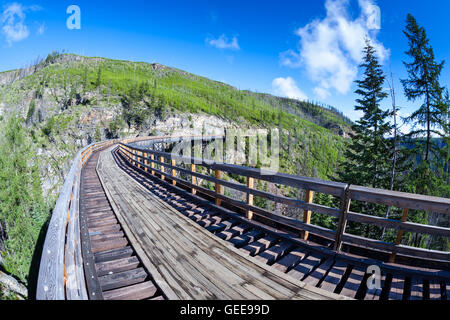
(346, 193)
(61, 271)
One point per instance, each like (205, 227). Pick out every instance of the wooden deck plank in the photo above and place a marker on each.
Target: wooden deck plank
(141, 291)
(353, 282)
(274, 253)
(251, 236)
(319, 273)
(116, 266)
(208, 269)
(233, 232)
(305, 266)
(260, 245)
(334, 276)
(290, 260)
(416, 289)
(268, 283)
(397, 288)
(100, 245)
(174, 245)
(122, 279)
(435, 290)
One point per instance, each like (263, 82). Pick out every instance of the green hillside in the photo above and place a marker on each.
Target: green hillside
(68, 101)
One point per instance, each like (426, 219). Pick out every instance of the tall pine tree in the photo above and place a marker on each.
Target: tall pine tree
(429, 125)
(429, 120)
(368, 160)
(368, 154)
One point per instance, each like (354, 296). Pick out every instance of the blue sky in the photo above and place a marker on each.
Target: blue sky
(303, 48)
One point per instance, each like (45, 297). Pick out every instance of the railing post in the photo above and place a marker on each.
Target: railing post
(250, 185)
(162, 168)
(193, 179)
(174, 172)
(145, 161)
(138, 158)
(399, 234)
(152, 164)
(345, 208)
(307, 213)
(218, 187)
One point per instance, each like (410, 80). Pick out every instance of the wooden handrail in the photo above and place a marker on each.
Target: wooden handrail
(61, 271)
(347, 193)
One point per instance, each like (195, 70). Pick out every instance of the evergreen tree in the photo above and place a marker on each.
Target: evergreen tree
(423, 84)
(368, 153)
(368, 160)
(429, 122)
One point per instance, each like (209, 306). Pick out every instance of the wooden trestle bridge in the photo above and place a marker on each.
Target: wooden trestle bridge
(134, 222)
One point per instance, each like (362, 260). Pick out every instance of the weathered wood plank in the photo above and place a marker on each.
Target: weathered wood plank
(116, 266)
(400, 199)
(141, 291)
(122, 279)
(291, 260)
(397, 288)
(435, 290)
(113, 254)
(196, 247)
(242, 240)
(274, 253)
(319, 273)
(255, 248)
(305, 266)
(354, 282)
(416, 289)
(334, 276)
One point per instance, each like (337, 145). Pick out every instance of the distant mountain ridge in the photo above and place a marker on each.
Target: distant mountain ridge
(69, 101)
(136, 72)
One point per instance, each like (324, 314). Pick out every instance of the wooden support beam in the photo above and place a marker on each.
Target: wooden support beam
(399, 235)
(342, 224)
(161, 159)
(193, 179)
(174, 172)
(138, 159)
(307, 213)
(152, 164)
(219, 188)
(250, 185)
(145, 161)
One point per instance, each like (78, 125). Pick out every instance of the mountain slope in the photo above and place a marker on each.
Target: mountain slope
(69, 101)
(73, 98)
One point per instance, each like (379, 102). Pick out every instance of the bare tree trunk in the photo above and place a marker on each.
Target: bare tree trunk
(394, 154)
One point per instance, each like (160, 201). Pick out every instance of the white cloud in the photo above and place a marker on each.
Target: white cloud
(224, 43)
(331, 49)
(13, 23)
(287, 87)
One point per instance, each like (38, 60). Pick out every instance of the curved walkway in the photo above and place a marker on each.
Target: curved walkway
(185, 260)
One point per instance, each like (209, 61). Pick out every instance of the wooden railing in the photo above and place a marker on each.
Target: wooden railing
(168, 167)
(61, 272)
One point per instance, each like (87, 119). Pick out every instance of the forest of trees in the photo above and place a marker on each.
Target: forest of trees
(381, 156)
